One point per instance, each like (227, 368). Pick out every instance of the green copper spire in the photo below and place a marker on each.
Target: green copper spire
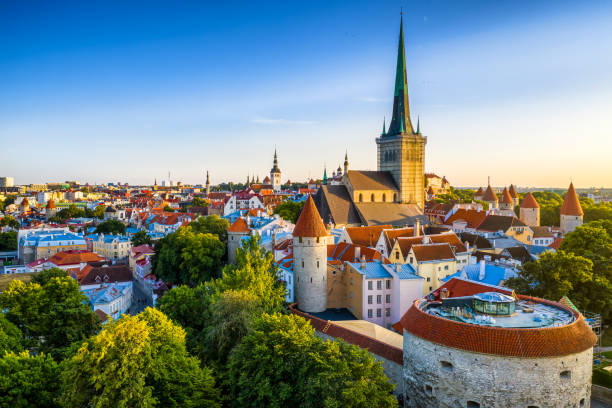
(400, 121)
(324, 175)
(384, 128)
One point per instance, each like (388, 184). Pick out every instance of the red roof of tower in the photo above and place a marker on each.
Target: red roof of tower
(50, 204)
(239, 225)
(309, 223)
(479, 192)
(529, 201)
(489, 195)
(506, 197)
(513, 191)
(571, 203)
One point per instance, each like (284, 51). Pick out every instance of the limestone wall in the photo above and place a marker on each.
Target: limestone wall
(440, 376)
(570, 223)
(530, 216)
(310, 273)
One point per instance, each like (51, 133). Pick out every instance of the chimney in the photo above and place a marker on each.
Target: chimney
(357, 252)
(417, 228)
(398, 267)
(481, 274)
(467, 246)
(363, 262)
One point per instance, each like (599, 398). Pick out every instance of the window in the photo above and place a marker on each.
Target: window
(472, 404)
(446, 267)
(566, 375)
(439, 268)
(446, 366)
(384, 198)
(397, 255)
(428, 279)
(389, 284)
(387, 312)
(351, 281)
(350, 295)
(379, 285)
(372, 198)
(370, 300)
(428, 389)
(379, 299)
(300, 240)
(317, 264)
(388, 299)
(378, 313)
(369, 285)
(395, 197)
(302, 263)
(361, 198)
(317, 240)
(430, 288)
(411, 260)
(370, 313)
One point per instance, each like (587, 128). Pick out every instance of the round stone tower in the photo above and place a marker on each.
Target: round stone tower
(571, 211)
(530, 211)
(235, 233)
(506, 203)
(310, 240)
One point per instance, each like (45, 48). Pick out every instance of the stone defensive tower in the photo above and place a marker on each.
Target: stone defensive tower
(571, 211)
(310, 240)
(530, 211)
(235, 233)
(401, 150)
(275, 174)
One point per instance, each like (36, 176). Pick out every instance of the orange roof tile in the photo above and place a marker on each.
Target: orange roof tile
(489, 195)
(506, 197)
(432, 252)
(309, 223)
(479, 192)
(405, 243)
(513, 191)
(473, 217)
(556, 244)
(366, 236)
(571, 203)
(239, 225)
(74, 256)
(50, 204)
(529, 201)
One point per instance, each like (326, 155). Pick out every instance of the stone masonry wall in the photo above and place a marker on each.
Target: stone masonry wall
(310, 274)
(440, 376)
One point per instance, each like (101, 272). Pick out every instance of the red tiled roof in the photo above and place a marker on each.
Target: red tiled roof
(74, 256)
(556, 244)
(50, 204)
(405, 243)
(515, 342)
(309, 223)
(432, 252)
(529, 201)
(506, 197)
(473, 217)
(479, 192)
(571, 203)
(107, 274)
(366, 236)
(513, 191)
(489, 195)
(101, 315)
(239, 225)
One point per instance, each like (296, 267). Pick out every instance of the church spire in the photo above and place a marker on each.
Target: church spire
(418, 125)
(384, 126)
(324, 175)
(400, 121)
(346, 164)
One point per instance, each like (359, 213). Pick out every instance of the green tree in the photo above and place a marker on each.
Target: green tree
(167, 208)
(199, 202)
(137, 361)
(71, 212)
(10, 336)
(8, 241)
(187, 257)
(98, 212)
(289, 210)
(114, 227)
(51, 316)
(141, 238)
(46, 275)
(28, 381)
(212, 224)
(9, 221)
(281, 363)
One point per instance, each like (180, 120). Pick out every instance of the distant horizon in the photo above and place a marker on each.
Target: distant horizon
(118, 91)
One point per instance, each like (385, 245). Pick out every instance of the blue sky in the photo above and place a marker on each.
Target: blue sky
(125, 91)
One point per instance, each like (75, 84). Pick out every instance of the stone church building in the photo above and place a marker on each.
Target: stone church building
(395, 193)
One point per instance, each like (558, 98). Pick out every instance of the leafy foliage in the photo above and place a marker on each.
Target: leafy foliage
(188, 257)
(141, 238)
(8, 241)
(282, 363)
(212, 224)
(137, 361)
(51, 315)
(289, 210)
(9, 221)
(28, 381)
(10, 336)
(114, 227)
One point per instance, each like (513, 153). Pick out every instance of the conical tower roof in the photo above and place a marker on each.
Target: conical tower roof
(479, 192)
(506, 197)
(529, 201)
(489, 194)
(309, 223)
(50, 204)
(571, 203)
(239, 225)
(513, 191)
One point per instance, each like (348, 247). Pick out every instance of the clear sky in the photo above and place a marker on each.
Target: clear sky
(102, 91)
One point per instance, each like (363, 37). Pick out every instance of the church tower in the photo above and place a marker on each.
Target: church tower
(207, 184)
(401, 150)
(275, 175)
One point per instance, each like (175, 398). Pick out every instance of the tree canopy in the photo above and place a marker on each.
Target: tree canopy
(212, 224)
(137, 361)
(281, 363)
(28, 381)
(51, 315)
(8, 241)
(9, 221)
(141, 238)
(10, 336)
(289, 210)
(188, 257)
(114, 227)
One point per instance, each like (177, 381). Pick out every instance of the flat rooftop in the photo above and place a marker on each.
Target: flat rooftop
(527, 315)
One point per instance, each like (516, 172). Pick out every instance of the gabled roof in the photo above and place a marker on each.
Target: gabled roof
(309, 223)
(335, 205)
(473, 218)
(489, 195)
(500, 223)
(366, 236)
(542, 232)
(396, 214)
(556, 244)
(239, 225)
(74, 256)
(372, 180)
(406, 243)
(106, 274)
(571, 203)
(479, 192)
(390, 235)
(529, 201)
(432, 252)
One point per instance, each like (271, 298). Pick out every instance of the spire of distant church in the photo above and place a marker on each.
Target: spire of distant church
(275, 168)
(384, 126)
(346, 164)
(324, 175)
(418, 125)
(400, 121)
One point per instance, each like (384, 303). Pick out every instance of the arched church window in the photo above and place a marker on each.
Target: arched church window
(361, 198)
(372, 198)
(384, 198)
(395, 197)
